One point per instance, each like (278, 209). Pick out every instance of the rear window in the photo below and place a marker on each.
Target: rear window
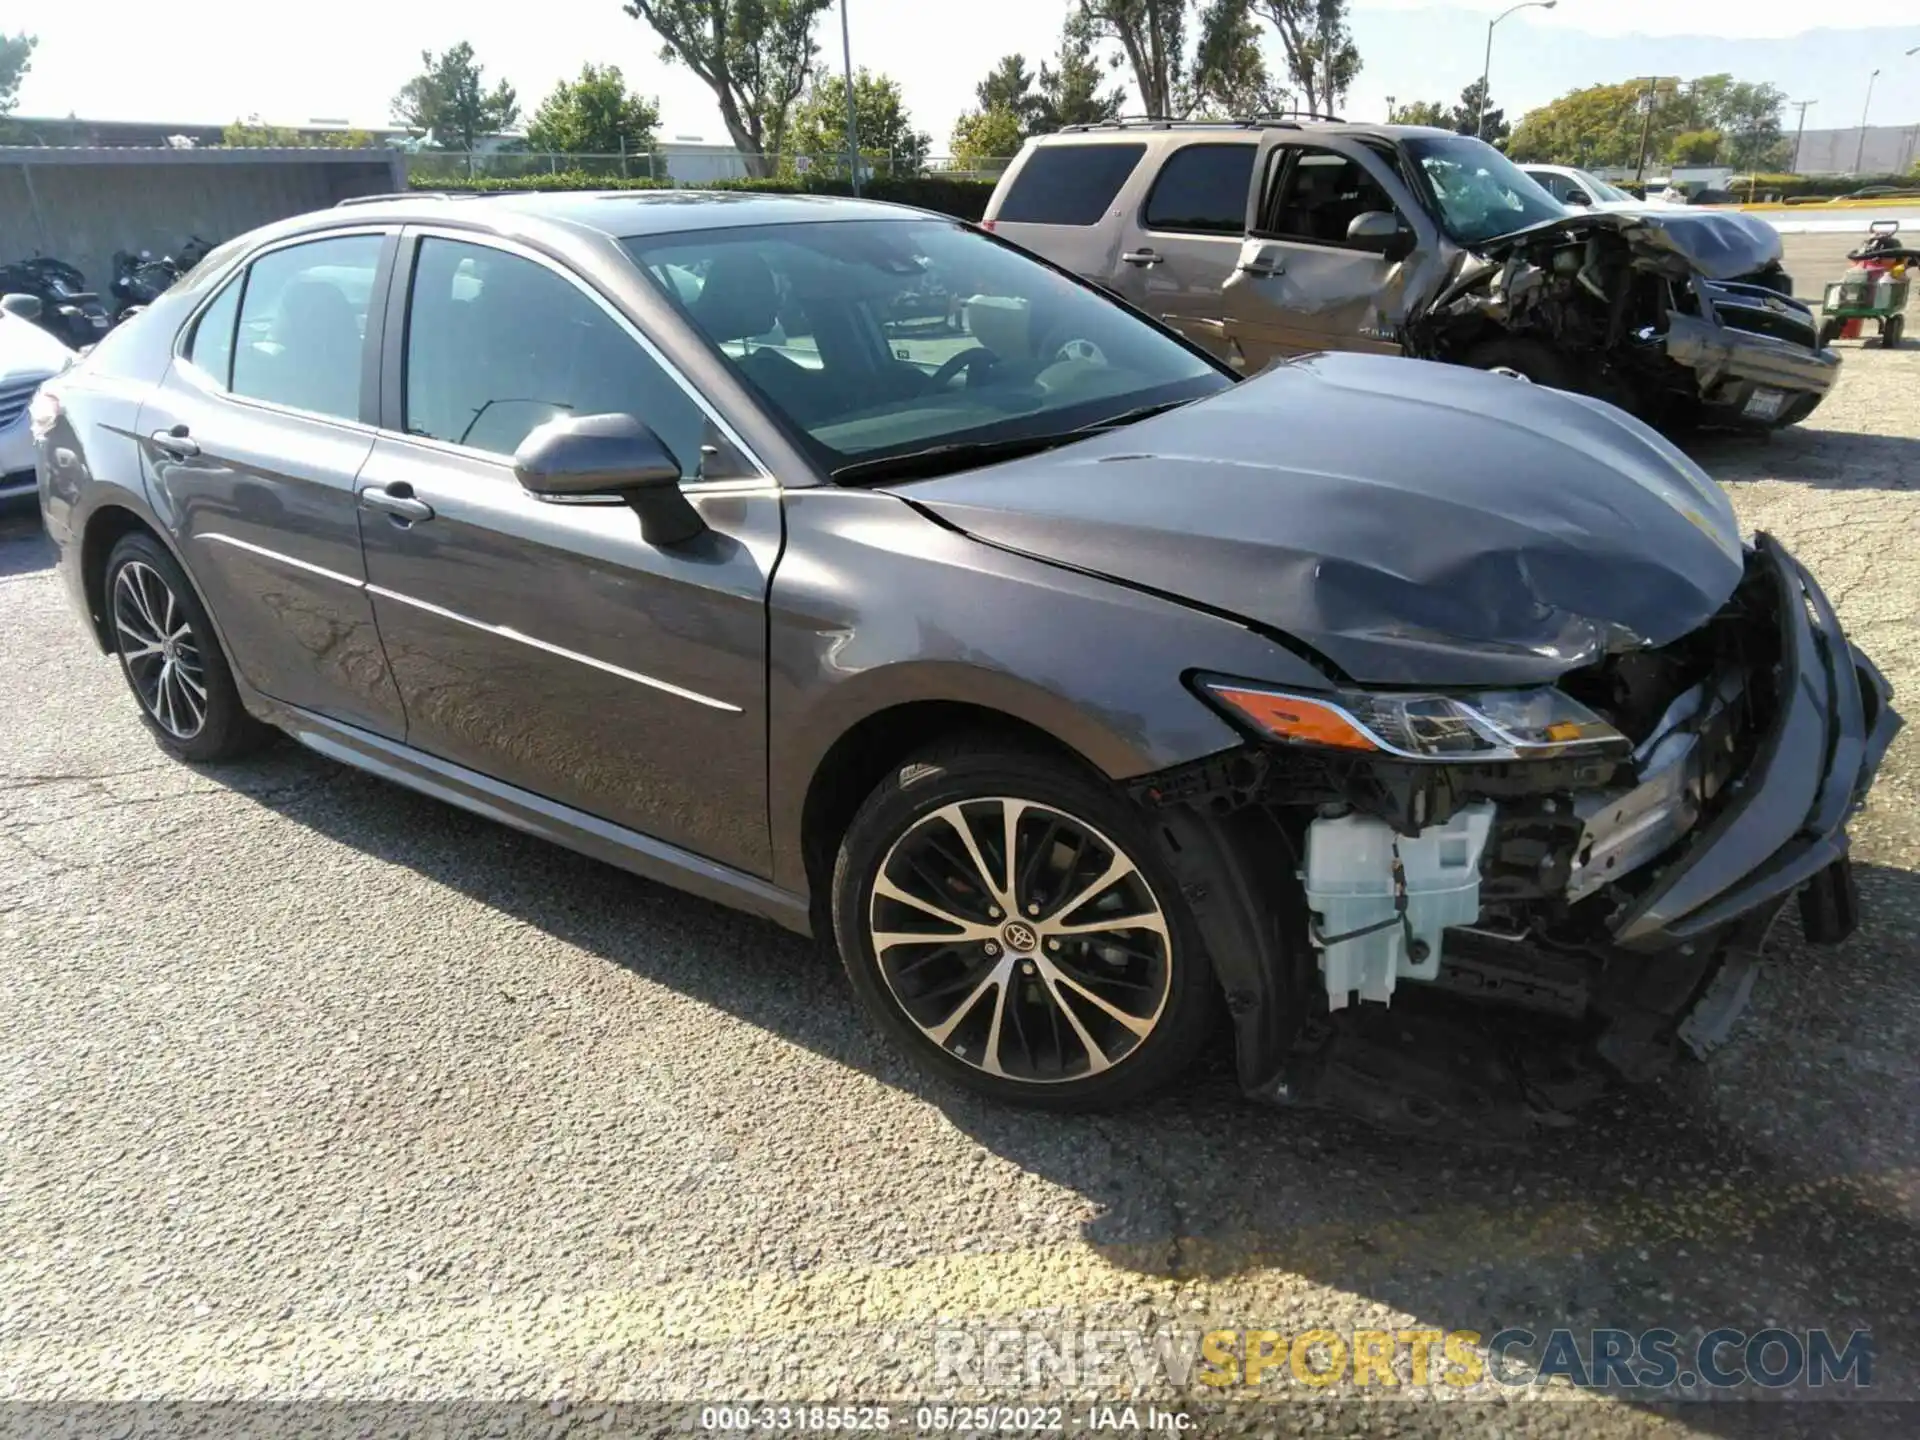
(1069, 184)
(1203, 190)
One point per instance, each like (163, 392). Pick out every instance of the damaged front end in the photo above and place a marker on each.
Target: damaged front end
(1667, 316)
(1608, 854)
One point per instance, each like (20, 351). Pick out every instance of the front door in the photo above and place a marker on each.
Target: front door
(1301, 283)
(254, 443)
(1180, 246)
(548, 645)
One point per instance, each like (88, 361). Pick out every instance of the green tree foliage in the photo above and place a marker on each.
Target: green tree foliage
(594, 115)
(1604, 124)
(449, 104)
(1184, 55)
(1322, 59)
(1009, 87)
(886, 133)
(1229, 72)
(253, 133)
(755, 55)
(985, 135)
(1476, 114)
(16, 58)
(1073, 89)
(1422, 112)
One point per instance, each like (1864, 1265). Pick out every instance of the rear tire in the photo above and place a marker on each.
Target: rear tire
(1529, 361)
(1891, 332)
(1029, 993)
(171, 657)
(1829, 332)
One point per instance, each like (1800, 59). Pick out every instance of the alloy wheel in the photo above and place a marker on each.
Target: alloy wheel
(1020, 940)
(159, 649)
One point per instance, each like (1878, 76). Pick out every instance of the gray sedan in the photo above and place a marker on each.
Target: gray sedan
(1082, 691)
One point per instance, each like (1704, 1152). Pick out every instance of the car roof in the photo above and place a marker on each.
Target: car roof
(1132, 129)
(615, 213)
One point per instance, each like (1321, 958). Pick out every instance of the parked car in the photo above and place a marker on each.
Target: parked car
(1281, 237)
(28, 356)
(1583, 190)
(1067, 680)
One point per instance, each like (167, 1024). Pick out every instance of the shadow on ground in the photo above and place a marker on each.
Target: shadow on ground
(1827, 459)
(1654, 1211)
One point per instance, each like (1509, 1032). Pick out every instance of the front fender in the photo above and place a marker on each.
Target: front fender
(874, 606)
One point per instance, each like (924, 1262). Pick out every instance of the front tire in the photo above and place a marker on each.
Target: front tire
(1007, 920)
(171, 657)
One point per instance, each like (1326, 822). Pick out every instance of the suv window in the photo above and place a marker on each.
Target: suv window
(1554, 184)
(498, 345)
(1202, 190)
(1318, 197)
(1068, 184)
(303, 325)
(211, 348)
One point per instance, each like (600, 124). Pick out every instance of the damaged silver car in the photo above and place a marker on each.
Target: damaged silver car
(1267, 238)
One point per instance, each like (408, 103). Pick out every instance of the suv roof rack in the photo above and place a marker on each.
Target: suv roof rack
(1280, 119)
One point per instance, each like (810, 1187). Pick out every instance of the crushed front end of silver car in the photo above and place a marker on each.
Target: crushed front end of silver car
(1609, 854)
(1667, 315)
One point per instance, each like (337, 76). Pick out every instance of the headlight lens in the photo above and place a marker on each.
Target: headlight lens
(1484, 725)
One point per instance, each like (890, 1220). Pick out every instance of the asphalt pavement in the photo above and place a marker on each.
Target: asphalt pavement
(314, 1090)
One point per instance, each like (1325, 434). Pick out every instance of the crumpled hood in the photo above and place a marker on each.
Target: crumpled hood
(1414, 523)
(1719, 244)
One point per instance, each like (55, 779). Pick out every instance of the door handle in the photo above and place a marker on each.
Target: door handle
(1142, 258)
(397, 502)
(1263, 269)
(175, 442)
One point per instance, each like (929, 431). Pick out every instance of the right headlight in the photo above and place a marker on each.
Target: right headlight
(1483, 725)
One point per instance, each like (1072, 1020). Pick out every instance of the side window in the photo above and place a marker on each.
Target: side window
(1202, 190)
(1554, 185)
(1068, 184)
(303, 325)
(498, 345)
(211, 347)
(1318, 196)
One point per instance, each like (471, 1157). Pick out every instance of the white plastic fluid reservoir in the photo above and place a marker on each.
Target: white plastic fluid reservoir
(1350, 886)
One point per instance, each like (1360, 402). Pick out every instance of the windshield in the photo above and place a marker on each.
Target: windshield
(1479, 193)
(881, 338)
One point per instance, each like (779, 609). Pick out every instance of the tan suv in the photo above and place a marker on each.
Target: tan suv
(1265, 238)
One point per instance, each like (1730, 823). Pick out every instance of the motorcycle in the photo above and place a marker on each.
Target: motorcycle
(139, 278)
(67, 308)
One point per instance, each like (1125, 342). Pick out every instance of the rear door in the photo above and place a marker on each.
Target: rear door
(1064, 202)
(1300, 283)
(253, 444)
(549, 645)
(1180, 244)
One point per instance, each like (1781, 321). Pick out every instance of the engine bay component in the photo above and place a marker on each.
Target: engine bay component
(1380, 901)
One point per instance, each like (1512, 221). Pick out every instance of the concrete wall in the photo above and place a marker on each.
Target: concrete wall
(1889, 150)
(81, 210)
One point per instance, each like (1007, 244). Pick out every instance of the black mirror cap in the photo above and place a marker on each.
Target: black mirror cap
(610, 459)
(24, 307)
(1579, 197)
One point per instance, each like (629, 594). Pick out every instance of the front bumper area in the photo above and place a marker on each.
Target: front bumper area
(1786, 821)
(1731, 364)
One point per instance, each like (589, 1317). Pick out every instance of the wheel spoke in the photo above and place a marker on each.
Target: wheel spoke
(995, 978)
(163, 697)
(1096, 1057)
(1058, 977)
(1118, 869)
(955, 818)
(964, 929)
(1146, 920)
(1010, 813)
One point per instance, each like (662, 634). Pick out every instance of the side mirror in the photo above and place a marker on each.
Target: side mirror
(609, 459)
(1373, 228)
(1578, 197)
(23, 307)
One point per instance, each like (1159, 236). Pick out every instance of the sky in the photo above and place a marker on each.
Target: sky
(344, 61)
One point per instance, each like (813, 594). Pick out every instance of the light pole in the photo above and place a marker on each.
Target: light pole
(1486, 69)
(1800, 130)
(853, 130)
(1860, 150)
(1389, 109)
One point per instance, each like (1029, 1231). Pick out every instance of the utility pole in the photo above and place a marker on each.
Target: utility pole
(853, 130)
(1860, 150)
(1646, 130)
(1800, 130)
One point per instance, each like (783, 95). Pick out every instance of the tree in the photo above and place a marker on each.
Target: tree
(16, 58)
(1422, 112)
(594, 115)
(1476, 114)
(1694, 147)
(1072, 89)
(819, 126)
(1009, 87)
(1598, 125)
(983, 135)
(1322, 59)
(447, 104)
(253, 133)
(1224, 70)
(755, 55)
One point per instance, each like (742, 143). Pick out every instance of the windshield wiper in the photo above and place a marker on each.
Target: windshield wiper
(964, 454)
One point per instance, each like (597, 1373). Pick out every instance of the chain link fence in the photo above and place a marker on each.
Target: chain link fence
(685, 166)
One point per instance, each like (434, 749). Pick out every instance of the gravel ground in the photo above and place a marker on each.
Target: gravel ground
(312, 1089)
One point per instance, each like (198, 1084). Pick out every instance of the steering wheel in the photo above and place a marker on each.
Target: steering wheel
(968, 360)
